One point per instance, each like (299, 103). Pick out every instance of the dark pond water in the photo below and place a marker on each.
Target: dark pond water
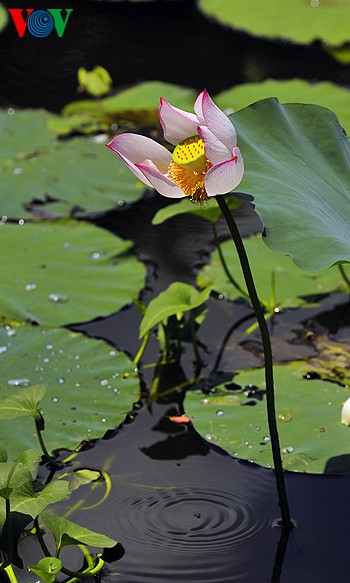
(183, 509)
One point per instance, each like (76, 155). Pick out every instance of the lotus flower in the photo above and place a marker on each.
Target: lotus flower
(345, 413)
(205, 161)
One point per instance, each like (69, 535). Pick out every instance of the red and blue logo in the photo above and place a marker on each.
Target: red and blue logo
(40, 23)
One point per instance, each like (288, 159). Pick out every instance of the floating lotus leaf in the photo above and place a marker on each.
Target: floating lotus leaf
(297, 167)
(275, 275)
(86, 389)
(324, 93)
(64, 272)
(135, 105)
(312, 437)
(37, 170)
(302, 21)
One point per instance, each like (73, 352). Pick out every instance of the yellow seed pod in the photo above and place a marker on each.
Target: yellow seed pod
(189, 151)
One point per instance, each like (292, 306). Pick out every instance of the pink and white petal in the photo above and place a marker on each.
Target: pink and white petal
(159, 181)
(223, 177)
(215, 150)
(198, 108)
(137, 148)
(177, 124)
(218, 122)
(134, 169)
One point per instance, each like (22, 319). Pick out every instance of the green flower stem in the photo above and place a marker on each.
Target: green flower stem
(43, 446)
(10, 573)
(142, 348)
(194, 340)
(9, 532)
(270, 396)
(227, 271)
(224, 264)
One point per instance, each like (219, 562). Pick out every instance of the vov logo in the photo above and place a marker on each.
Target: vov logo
(40, 23)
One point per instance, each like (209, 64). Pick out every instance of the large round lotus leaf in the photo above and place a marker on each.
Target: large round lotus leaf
(86, 389)
(297, 167)
(23, 133)
(308, 417)
(294, 91)
(277, 279)
(302, 21)
(65, 272)
(80, 174)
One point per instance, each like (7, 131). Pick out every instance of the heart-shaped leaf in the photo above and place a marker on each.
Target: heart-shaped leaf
(22, 404)
(177, 299)
(68, 533)
(46, 569)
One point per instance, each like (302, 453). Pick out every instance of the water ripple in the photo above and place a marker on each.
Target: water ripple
(198, 530)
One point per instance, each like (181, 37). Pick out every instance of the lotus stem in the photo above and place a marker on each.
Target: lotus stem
(269, 380)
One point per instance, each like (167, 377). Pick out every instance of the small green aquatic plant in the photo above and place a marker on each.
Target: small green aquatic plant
(178, 300)
(24, 498)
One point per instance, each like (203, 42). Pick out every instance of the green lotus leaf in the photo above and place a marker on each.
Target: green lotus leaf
(297, 167)
(279, 282)
(323, 93)
(312, 437)
(64, 272)
(300, 21)
(137, 104)
(90, 386)
(37, 170)
(24, 133)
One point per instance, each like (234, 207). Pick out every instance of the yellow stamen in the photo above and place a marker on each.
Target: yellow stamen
(188, 168)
